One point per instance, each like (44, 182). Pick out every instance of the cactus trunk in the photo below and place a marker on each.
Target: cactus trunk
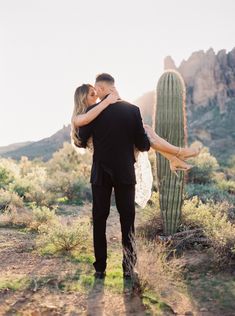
(171, 125)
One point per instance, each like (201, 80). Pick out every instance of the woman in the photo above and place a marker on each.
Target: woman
(85, 96)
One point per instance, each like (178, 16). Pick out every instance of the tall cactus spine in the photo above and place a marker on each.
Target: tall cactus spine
(170, 124)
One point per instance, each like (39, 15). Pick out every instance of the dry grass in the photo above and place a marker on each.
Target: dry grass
(15, 217)
(161, 279)
(156, 271)
(65, 236)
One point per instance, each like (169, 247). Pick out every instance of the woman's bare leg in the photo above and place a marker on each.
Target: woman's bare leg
(160, 144)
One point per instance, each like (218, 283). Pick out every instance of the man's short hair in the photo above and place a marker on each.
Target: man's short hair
(105, 77)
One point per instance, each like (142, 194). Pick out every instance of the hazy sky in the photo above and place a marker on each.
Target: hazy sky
(49, 47)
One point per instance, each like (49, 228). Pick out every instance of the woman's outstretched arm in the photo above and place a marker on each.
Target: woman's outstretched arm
(86, 118)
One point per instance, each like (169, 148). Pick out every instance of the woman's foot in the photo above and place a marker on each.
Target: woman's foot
(187, 152)
(178, 164)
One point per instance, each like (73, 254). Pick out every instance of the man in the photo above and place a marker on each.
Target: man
(115, 132)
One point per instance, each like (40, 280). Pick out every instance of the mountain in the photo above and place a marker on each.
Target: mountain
(210, 107)
(11, 147)
(210, 100)
(42, 149)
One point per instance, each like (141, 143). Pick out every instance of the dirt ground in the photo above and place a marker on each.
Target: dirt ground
(46, 295)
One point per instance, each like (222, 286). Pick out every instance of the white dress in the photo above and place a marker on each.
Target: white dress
(144, 178)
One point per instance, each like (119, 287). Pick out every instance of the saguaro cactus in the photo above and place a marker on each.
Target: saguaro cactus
(170, 123)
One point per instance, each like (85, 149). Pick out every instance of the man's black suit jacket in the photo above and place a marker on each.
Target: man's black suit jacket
(115, 132)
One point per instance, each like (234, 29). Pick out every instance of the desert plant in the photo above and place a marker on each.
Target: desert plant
(213, 219)
(208, 192)
(205, 166)
(8, 198)
(21, 186)
(160, 278)
(69, 185)
(42, 215)
(8, 171)
(65, 236)
(171, 125)
(68, 174)
(16, 217)
(227, 185)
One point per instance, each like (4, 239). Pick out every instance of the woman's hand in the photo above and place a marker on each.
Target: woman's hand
(113, 97)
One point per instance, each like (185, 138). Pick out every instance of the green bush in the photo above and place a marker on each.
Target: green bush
(227, 186)
(69, 185)
(65, 236)
(69, 175)
(42, 215)
(208, 192)
(213, 219)
(9, 199)
(205, 166)
(67, 159)
(8, 171)
(21, 186)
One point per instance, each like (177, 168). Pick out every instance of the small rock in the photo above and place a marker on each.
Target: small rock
(203, 309)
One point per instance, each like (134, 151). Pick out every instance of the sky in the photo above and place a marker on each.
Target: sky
(49, 47)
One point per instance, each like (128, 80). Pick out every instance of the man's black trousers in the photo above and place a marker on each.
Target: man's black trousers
(125, 202)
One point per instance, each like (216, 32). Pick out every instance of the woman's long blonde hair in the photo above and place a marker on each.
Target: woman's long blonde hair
(80, 105)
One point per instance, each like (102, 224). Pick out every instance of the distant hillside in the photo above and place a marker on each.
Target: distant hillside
(210, 104)
(42, 149)
(11, 147)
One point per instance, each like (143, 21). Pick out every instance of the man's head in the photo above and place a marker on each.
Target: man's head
(103, 83)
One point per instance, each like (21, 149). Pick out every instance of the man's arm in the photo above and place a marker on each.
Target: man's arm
(141, 138)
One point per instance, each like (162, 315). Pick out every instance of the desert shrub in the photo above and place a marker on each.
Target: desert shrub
(205, 166)
(15, 217)
(69, 175)
(28, 218)
(9, 199)
(8, 171)
(25, 166)
(65, 236)
(226, 185)
(67, 159)
(230, 170)
(213, 219)
(40, 196)
(207, 192)
(5, 177)
(38, 192)
(69, 185)
(21, 186)
(42, 215)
